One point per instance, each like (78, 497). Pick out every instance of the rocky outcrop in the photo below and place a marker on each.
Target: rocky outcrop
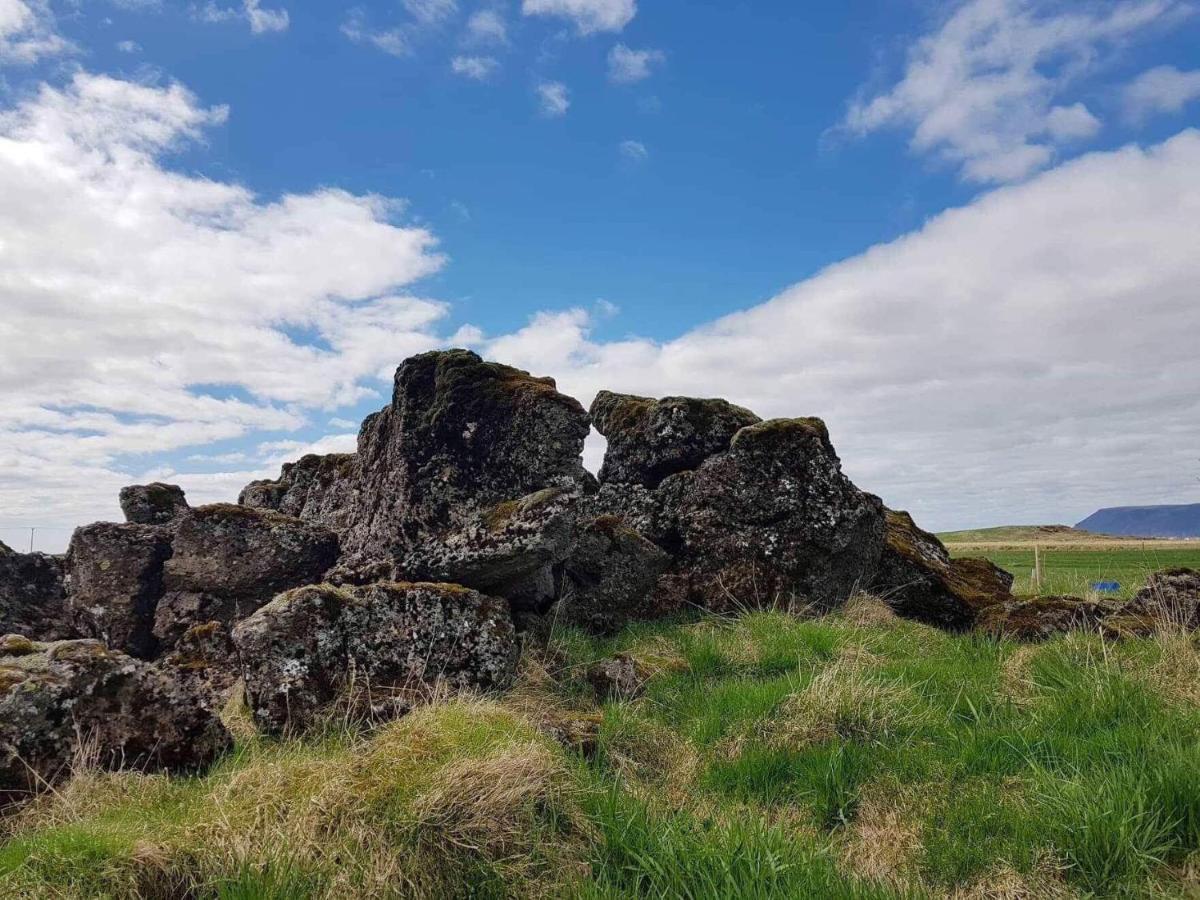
(1169, 601)
(116, 573)
(460, 436)
(153, 504)
(919, 580)
(77, 701)
(32, 596)
(610, 578)
(1040, 618)
(771, 522)
(651, 439)
(388, 643)
(317, 489)
(229, 560)
(205, 657)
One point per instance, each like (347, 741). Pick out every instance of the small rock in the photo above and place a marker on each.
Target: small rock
(1170, 600)
(1042, 617)
(153, 504)
(617, 678)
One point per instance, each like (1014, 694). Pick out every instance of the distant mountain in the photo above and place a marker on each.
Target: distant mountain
(1146, 521)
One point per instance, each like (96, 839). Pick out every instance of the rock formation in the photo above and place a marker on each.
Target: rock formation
(317, 489)
(153, 504)
(32, 594)
(391, 642)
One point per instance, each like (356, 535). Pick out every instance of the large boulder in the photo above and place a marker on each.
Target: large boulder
(116, 577)
(1040, 618)
(1169, 601)
(318, 489)
(32, 596)
(229, 560)
(460, 437)
(771, 522)
(393, 642)
(919, 580)
(153, 504)
(77, 701)
(650, 439)
(610, 578)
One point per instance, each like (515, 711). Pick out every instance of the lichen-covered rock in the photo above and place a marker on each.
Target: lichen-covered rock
(205, 656)
(1042, 617)
(319, 489)
(1169, 601)
(772, 522)
(32, 596)
(229, 560)
(392, 642)
(60, 701)
(153, 504)
(610, 578)
(116, 575)
(616, 678)
(650, 439)
(460, 437)
(919, 580)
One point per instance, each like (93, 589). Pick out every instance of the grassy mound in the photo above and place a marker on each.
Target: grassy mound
(854, 755)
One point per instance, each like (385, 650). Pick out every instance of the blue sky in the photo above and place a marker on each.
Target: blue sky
(646, 196)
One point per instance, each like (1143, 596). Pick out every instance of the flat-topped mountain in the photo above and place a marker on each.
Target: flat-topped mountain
(1168, 521)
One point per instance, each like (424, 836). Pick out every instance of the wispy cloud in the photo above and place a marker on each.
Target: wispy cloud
(588, 16)
(553, 99)
(478, 68)
(1164, 89)
(260, 19)
(628, 66)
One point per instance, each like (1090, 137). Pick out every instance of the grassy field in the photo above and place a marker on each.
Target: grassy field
(853, 756)
(1072, 560)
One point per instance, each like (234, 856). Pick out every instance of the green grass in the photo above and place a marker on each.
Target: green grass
(854, 756)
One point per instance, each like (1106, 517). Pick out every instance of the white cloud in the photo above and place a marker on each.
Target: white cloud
(479, 68)
(1164, 89)
(627, 66)
(487, 26)
(27, 32)
(1029, 357)
(146, 310)
(553, 99)
(589, 16)
(985, 90)
(129, 46)
(430, 12)
(634, 151)
(393, 41)
(261, 21)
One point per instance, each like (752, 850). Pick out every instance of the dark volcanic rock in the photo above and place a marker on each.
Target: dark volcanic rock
(460, 437)
(918, 579)
(116, 572)
(1042, 617)
(651, 439)
(153, 504)
(616, 678)
(393, 642)
(772, 522)
(229, 560)
(60, 699)
(319, 489)
(205, 656)
(610, 578)
(1170, 600)
(32, 596)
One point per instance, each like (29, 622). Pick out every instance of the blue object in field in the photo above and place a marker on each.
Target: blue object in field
(1106, 587)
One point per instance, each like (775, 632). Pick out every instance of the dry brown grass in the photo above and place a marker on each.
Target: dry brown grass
(1006, 883)
(884, 840)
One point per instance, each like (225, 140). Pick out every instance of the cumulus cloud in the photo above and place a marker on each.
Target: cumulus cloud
(147, 310)
(27, 32)
(553, 99)
(627, 66)
(261, 21)
(487, 26)
(479, 68)
(588, 16)
(1164, 89)
(985, 90)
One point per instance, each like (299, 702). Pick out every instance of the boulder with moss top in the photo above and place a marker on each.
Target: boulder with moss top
(382, 647)
(32, 596)
(649, 439)
(73, 702)
(317, 489)
(919, 579)
(153, 504)
(1040, 618)
(1170, 601)
(772, 522)
(229, 560)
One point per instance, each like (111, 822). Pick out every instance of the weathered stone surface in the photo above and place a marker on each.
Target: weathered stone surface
(64, 699)
(460, 437)
(772, 522)
(649, 439)
(229, 560)
(153, 504)
(32, 596)
(616, 678)
(1042, 617)
(393, 642)
(1170, 600)
(205, 656)
(116, 572)
(918, 579)
(610, 578)
(319, 489)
